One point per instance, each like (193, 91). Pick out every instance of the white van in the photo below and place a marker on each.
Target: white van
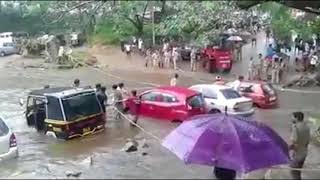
(6, 37)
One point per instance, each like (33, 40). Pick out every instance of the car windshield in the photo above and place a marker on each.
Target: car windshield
(80, 106)
(4, 130)
(196, 101)
(268, 89)
(230, 93)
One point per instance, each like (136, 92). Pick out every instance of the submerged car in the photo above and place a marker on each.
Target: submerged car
(8, 143)
(262, 94)
(170, 103)
(65, 112)
(220, 98)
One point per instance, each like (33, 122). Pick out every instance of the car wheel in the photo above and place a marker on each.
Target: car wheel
(256, 105)
(2, 54)
(176, 121)
(214, 111)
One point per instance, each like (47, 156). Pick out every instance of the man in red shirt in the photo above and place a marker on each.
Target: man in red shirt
(134, 106)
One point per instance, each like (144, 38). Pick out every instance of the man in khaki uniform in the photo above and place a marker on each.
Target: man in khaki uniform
(300, 138)
(175, 57)
(167, 57)
(193, 57)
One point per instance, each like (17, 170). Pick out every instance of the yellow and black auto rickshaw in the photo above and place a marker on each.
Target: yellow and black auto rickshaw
(65, 112)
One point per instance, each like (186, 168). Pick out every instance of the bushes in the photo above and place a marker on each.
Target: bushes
(112, 33)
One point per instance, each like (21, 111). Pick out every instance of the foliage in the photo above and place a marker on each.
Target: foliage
(284, 24)
(198, 20)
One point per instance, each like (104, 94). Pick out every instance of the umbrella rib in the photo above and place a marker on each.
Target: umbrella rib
(239, 143)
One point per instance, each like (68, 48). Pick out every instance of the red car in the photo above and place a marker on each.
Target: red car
(262, 94)
(169, 103)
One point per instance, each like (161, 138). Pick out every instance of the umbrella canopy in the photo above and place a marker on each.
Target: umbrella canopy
(228, 142)
(234, 38)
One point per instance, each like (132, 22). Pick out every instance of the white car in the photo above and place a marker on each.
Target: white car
(220, 98)
(8, 143)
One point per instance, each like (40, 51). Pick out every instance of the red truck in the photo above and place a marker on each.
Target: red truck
(216, 59)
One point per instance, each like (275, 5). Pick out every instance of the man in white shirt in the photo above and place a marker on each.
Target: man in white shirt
(236, 84)
(313, 61)
(173, 81)
(128, 49)
(140, 43)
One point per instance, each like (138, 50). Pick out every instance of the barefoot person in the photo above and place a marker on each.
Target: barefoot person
(300, 138)
(173, 81)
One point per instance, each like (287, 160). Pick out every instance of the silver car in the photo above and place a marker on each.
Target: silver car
(8, 49)
(8, 143)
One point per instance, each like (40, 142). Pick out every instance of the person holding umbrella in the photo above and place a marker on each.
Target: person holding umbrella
(231, 144)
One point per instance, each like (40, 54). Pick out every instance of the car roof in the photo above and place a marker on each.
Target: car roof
(178, 90)
(41, 92)
(59, 92)
(254, 82)
(214, 86)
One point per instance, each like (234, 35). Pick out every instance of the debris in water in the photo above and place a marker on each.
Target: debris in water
(73, 174)
(131, 146)
(87, 162)
(144, 153)
(144, 144)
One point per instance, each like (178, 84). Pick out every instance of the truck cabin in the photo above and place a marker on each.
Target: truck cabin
(64, 104)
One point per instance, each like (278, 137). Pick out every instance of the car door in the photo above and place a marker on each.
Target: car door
(4, 138)
(211, 97)
(147, 106)
(168, 106)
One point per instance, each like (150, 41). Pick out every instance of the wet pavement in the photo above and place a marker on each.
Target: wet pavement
(43, 157)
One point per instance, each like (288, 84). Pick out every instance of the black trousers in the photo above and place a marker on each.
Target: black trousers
(296, 174)
(224, 174)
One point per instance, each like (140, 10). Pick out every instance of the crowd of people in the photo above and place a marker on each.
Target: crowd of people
(117, 97)
(166, 56)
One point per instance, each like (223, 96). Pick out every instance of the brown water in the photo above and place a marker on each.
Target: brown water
(44, 157)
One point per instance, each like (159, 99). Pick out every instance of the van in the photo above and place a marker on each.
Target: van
(8, 48)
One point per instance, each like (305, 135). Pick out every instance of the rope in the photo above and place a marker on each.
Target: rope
(138, 126)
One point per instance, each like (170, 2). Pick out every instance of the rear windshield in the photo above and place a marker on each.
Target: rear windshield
(230, 93)
(81, 106)
(268, 89)
(196, 101)
(4, 130)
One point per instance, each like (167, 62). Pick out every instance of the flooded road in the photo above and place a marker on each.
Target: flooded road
(100, 156)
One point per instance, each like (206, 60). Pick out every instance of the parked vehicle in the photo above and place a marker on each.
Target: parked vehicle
(170, 103)
(8, 143)
(6, 37)
(220, 98)
(262, 94)
(185, 52)
(7, 48)
(65, 112)
(217, 59)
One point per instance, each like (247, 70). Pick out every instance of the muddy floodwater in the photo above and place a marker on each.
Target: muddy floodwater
(100, 156)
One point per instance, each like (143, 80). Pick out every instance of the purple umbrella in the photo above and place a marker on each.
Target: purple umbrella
(228, 142)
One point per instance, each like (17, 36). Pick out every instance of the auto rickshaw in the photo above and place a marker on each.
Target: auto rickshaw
(65, 112)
